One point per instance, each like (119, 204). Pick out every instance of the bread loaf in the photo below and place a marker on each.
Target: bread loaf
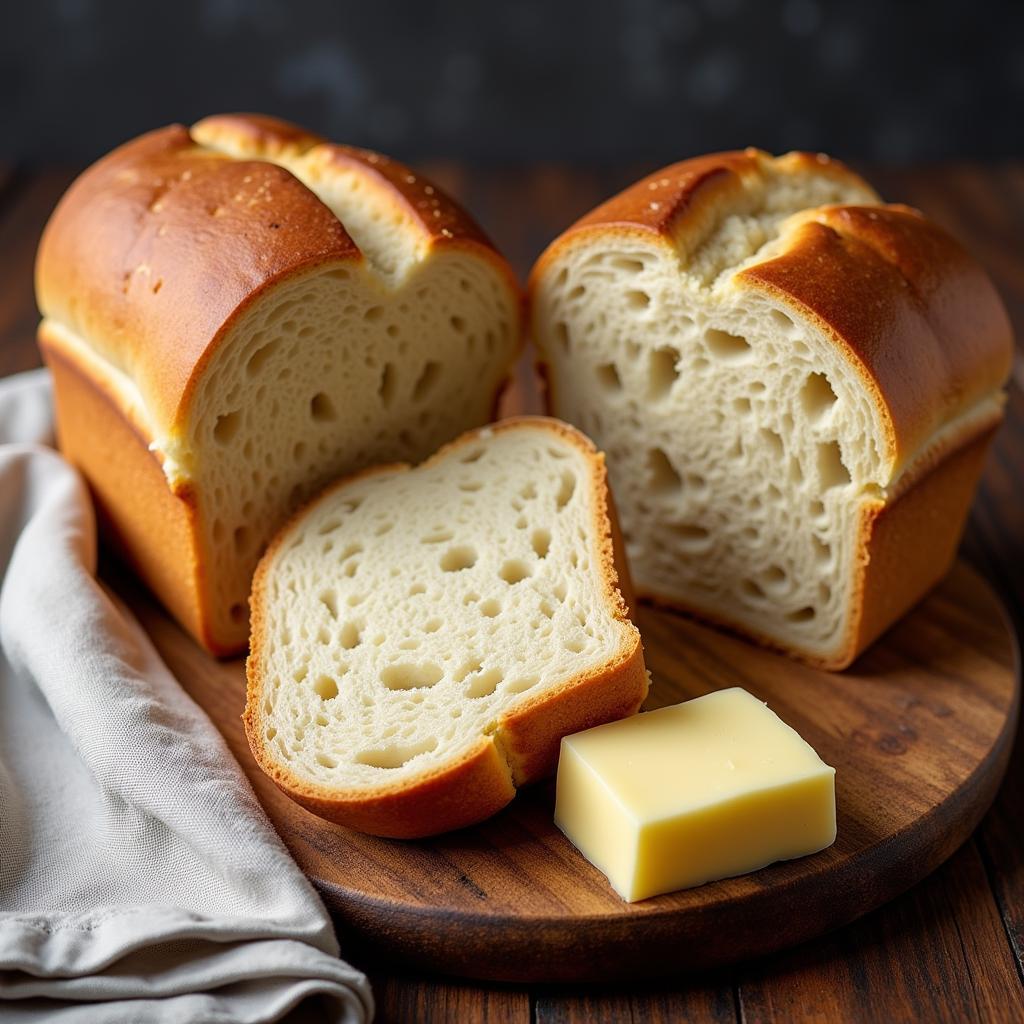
(237, 313)
(423, 638)
(795, 385)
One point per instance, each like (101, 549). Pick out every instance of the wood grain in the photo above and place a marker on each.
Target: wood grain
(919, 732)
(525, 207)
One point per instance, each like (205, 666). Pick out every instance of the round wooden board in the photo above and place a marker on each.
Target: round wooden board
(919, 731)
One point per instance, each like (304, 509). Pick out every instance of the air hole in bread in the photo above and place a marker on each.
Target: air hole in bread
(528, 491)
(395, 755)
(411, 676)
(561, 332)
(226, 427)
(373, 314)
(514, 570)
(240, 538)
(386, 388)
(321, 408)
(432, 625)
(474, 455)
(750, 588)
(831, 468)
(628, 264)
(522, 684)
(437, 536)
(458, 558)
(541, 541)
(483, 684)
(470, 485)
(662, 371)
(426, 381)
(417, 588)
(259, 358)
(817, 397)
(575, 646)
(776, 576)
(566, 487)
(796, 471)
(692, 535)
(325, 761)
(608, 377)
(349, 636)
(237, 612)
(458, 323)
(804, 614)
(637, 299)
(772, 441)
(742, 405)
(663, 476)
(781, 321)
(326, 688)
(729, 348)
(822, 551)
(329, 599)
(490, 608)
(467, 668)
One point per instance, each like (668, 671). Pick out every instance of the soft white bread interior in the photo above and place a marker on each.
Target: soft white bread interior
(771, 359)
(267, 311)
(422, 639)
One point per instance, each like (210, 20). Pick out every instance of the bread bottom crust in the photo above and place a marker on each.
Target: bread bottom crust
(904, 549)
(151, 528)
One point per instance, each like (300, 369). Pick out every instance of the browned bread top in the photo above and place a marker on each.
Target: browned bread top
(910, 309)
(157, 248)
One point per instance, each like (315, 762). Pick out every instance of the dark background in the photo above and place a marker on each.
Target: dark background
(486, 81)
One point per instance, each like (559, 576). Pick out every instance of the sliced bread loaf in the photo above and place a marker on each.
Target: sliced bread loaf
(238, 313)
(423, 638)
(795, 385)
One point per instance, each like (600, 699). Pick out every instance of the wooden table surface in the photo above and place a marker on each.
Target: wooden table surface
(952, 949)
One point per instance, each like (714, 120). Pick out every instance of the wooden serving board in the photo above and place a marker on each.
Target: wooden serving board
(919, 731)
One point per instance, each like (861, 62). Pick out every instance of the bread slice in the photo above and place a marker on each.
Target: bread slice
(238, 313)
(423, 638)
(795, 386)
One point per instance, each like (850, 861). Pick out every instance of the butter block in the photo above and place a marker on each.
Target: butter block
(715, 787)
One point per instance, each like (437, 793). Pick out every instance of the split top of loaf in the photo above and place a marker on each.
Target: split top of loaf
(423, 638)
(269, 310)
(771, 358)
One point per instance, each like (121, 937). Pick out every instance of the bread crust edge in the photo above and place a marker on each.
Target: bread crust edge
(523, 746)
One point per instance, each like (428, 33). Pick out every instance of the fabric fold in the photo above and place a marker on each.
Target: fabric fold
(139, 877)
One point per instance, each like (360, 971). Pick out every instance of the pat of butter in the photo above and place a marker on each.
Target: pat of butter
(673, 798)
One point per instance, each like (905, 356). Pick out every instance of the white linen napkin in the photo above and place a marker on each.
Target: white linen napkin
(139, 878)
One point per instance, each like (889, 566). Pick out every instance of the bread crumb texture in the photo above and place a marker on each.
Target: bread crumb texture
(741, 444)
(406, 614)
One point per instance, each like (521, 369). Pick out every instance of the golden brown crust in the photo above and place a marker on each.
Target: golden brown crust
(903, 549)
(157, 248)
(444, 222)
(916, 318)
(114, 457)
(912, 312)
(149, 260)
(524, 746)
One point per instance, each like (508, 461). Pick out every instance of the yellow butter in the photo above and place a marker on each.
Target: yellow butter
(673, 798)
